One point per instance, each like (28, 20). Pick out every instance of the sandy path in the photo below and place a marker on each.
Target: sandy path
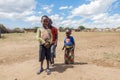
(97, 57)
(78, 71)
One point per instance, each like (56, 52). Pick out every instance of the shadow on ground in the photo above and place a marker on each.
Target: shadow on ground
(61, 67)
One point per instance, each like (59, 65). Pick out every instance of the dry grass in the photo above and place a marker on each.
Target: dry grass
(95, 53)
(93, 47)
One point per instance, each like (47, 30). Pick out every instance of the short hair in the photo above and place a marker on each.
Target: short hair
(68, 31)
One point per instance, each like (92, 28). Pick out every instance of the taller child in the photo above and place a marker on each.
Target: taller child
(44, 36)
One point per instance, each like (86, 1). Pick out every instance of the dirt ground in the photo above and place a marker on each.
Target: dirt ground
(97, 57)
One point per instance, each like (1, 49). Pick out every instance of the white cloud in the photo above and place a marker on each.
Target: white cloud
(32, 19)
(13, 9)
(70, 16)
(56, 19)
(19, 10)
(61, 21)
(100, 21)
(106, 21)
(71, 23)
(48, 8)
(9, 6)
(99, 17)
(97, 12)
(65, 7)
(95, 7)
(40, 12)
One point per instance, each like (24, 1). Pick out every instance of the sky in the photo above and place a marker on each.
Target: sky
(64, 13)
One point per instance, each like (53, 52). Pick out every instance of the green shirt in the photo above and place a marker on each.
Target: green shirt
(43, 34)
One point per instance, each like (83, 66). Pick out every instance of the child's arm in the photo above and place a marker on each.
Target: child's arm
(74, 46)
(38, 36)
(63, 47)
(64, 44)
(73, 43)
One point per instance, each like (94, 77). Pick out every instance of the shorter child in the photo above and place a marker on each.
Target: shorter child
(69, 45)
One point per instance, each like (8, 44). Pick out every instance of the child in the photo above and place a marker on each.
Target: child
(69, 45)
(44, 36)
(54, 42)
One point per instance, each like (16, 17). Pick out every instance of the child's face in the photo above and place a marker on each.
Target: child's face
(68, 34)
(45, 21)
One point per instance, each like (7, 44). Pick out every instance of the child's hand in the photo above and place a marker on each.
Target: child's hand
(47, 44)
(63, 48)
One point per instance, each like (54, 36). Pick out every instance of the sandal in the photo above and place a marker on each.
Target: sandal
(40, 70)
(48, 71)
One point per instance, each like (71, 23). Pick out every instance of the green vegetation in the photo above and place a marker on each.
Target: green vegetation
(81, 27)
(3, 29)
(118, 27)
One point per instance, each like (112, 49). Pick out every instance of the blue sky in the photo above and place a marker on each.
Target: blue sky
(65, 13)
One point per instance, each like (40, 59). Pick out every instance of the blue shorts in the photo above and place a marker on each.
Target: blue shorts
(53, 50)
(44, 53)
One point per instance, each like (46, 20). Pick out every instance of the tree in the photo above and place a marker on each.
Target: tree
(36, 27)
(61, 29)
(17, 30)
(118, 27)
(81, 27)
(3, 29)
(66, 28)
(0, 33)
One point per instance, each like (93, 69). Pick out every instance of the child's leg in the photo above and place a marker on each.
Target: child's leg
(48, 56)
(41, 68)
(41, 58)
(66, 56)
(52, 51)
(47, 64)
(41, 64)
(48, 69)
(71, 59)
(41, 55)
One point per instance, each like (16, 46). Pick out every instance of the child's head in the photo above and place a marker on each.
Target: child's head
(68, 32)
(45, 21)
